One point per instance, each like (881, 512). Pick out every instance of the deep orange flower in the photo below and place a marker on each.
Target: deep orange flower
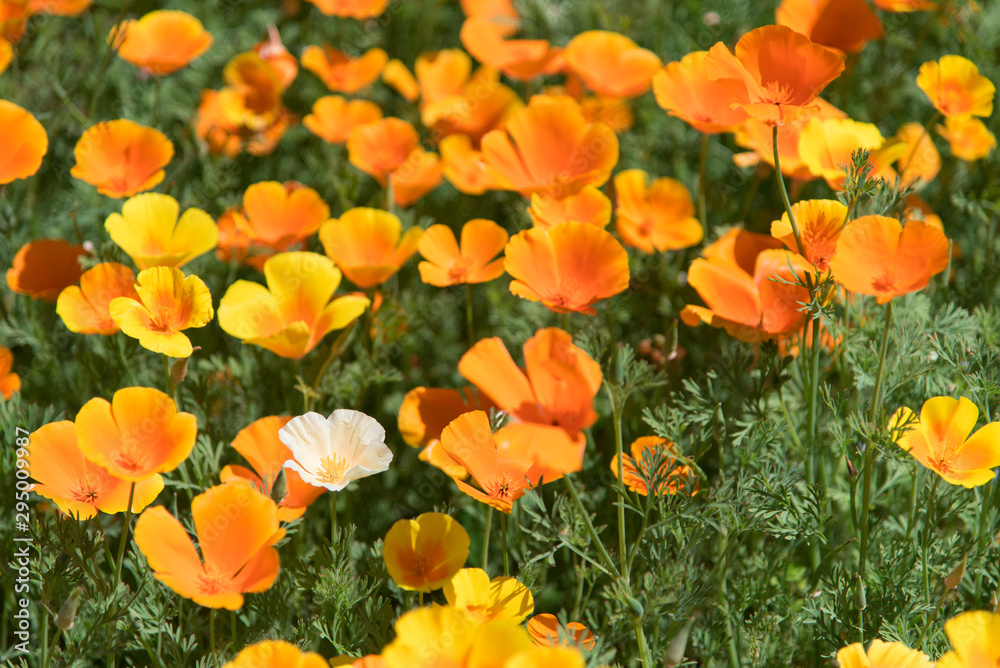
(380, 147)
(968, 138)
(919, 162)
(464, 167)
(355, 9)
(521, 59)
(441, 74)
(43, 268)
(137, 434)
(480, 104)
(251, 99)
(684, 90)
(751, 307)
(85, 309)
(398, 77)
(419, 174)
(956, 88)
(235, 245)
(161, 42)
(281, 215)
(612, 111)
(366, 245)
(77, 486)
(277, 654)
(845, 25)
(637, 468)
(589, 205)
(121, 157)
(820, 222)
(426, 411)
(878, 256)
(13, 18)
(150, 231)
(446, 263)
(740, 248)
(273, 52)
(656, 217)
(549, 147)
(546, 631)
(340, 72)
(10, 382)
(568, 268)
(24, 140)
(827, 145)
(758, 136)
(905, 5)
(259, 444)
(776, 73)
(425, 553)
(236, 527)
(611, 64)
(500, 12)
(333, 117)
(6, 55)
(59, 7)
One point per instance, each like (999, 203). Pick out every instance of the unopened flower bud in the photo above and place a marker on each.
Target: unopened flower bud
(635, 607)
(67, 613)
(617, 370)
(678, 646)
(279, 487)
(860, 600)
(955, 577)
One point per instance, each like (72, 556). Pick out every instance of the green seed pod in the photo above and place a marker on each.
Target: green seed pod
(718, 424)
(635, 607)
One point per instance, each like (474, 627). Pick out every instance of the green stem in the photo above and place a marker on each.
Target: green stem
(929, 514)
(594, 537)
(788, 422)
(47, 657)
(486, 538)
(616, 408)
(640, 636)
(702, 186)
(503, 537)
(158, 80)
(211, 629)
(564, 322)
(933, 618)
(333, 519)
(336, 348)
(420, 599)
(984, 508)
(124, 539)
(167, 378)
(784, 193)
(469, 326)
(108, 52)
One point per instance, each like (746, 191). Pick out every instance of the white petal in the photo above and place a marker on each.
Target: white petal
(352, 432)
(308, 437)
(376, 458)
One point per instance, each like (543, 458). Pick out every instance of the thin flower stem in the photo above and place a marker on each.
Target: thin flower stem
(156, 100)
(564, 322)
(211, 630)
(594, 537)
(47, 658)
(167, 378)
(108, 52)
(932, 619)
(469, 325)
(124, 539)
(333, 519)
(420, 599)
(784, 193)
(616, 408)
(923, 133)
(640, 636)
(788, 422)
(702, 186)
(984, 508)
(503, 537)
(336, 348)
(929, 514)
(486, 538)
(914, 490)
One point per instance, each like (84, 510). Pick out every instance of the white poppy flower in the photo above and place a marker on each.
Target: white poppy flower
(332, 452)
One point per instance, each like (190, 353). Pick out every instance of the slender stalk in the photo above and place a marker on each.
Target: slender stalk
(914, 489)
(931, 620)
(616, 408)
(333, 519)
(124, 539)
(929, 514)
(788, 422)
(108, 52)
(211, 629)
(784, 193)
(594, 537)
(984, 508)
(486, 538)
(156, 100)
(47, 657)
(640, 636)
(167, 378)
(702, 186)
(503, 537)
(913, 151)
(336, 348)
(469, 325)
(420, 599)
(564, 322)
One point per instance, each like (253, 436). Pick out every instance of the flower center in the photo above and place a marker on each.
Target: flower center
(131, 457)
(162, 320)
(88, 488)
(885, 282)
(500, 487)
(212, 583)
(458, 273)
(332, 469)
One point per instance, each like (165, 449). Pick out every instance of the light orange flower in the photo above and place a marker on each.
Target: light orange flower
(463, 165)
(548, 657)
(762, 305)
(366, 245)
(484, 600)
(500, 12)
(86, 309)
(758, 136)
(273, 52)
(10, 382)
(136, 435)
(333, 117)
(424, 414)
(355, 9)
(589, 205)
(425, 553)
(919, 210)
(162, 41)
(955, 87)
(521, 59)
(684, 90)
(845, 25)
(121, 157)
(446, 263)
(419, 174)
(276, 654)
(43, 268)
(237, 527)
(548, 147)
(235, 245)
(259, 444)
(442, 74)
(611, 64)
(740, 247)
(882, 655)
(59, 7)
(13, 18)
(294, 312)
(480, 104)
(968, 138)
(380, 147)
(568, 268)
(24, 140)
(941, 440)
(168, 303)
(612, 111)
(546, 631)
(281, 215)
(776, 73)
(877, 256)
(398, 77)
(656, 217)
(148, 229)
(6, 55)
(826, 145)
(820, 222)
(920, 162)
(975, 639)
(340, 72)
(638, 468)
(251, 99)
(906, 5)
(78, 487)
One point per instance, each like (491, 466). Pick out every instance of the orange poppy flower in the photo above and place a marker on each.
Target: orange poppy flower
(425, 413)
(294, 312)
(10, 382)
(381, 147)
(740, 247)
(906, 5)
(442, 73)
(758, 137)
(259, 444)
(281, 215)
(521, 59)
(234, 243)
(446, 263)
(251, 99)
(503, 598)
(611, 64)
(168, 303)
(968, 138)
(470, 442)
(463, 165)
(612, 111)
(425, 553)
(975, 640)
(86, 309)
(481, 104)
(637, 468)
(546, 631)
(500, 12)
(59, 7)
(956, 88)
(920, 162)
(917, 209)
(894, 654)
(820, 222)
(333, 117)
(549, 147)
(827, 145)
(654, 218)
(589, 205)
(684, 90)
(13, 18)
(750, 307)
(43, 268)
(276, 654)
(136, 435)
(6, 55)
(237, 527)
(78, 487)
(845, 25)
(340, 72)
(398, 77)
(940, 440)
(877, 256)
(274, 53)
(568, 268)
(419, 174)
(776, 73)
(121, 157)
(148, 229)
(24, 140)
(366, 245)
(161, 42)
(355, 9)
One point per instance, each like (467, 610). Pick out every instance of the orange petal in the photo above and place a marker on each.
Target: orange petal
(43, 268)
(24, 140)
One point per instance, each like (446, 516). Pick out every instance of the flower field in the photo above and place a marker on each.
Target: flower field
(500, 333)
